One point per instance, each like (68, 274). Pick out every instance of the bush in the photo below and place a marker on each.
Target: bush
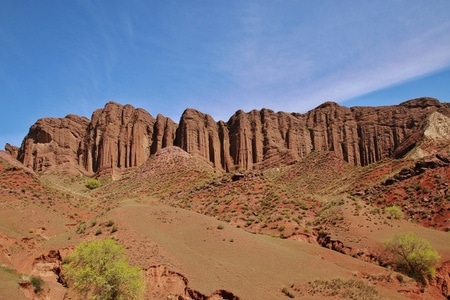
(92, 183)
(99, 270)
(37, 283)
(394, 212)
(413, 255)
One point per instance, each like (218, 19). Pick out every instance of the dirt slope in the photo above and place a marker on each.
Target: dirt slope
(215, 255)
(166, 212)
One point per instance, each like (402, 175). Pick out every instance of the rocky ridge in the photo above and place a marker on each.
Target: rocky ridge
(120, 137)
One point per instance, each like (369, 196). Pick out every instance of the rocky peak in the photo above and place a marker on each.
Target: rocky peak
(328, 104)
(422, 102)
(12, 150)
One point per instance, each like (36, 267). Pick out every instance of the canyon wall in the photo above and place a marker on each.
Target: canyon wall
(121, 137)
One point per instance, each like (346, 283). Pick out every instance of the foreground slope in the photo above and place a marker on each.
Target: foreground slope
(310, 201)
(199, 253)
(215, 255)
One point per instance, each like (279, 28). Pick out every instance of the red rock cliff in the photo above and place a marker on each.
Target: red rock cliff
(122, 137)
(117, 136)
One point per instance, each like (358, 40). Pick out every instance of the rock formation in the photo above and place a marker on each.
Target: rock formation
(53, 144)
(123, 137)
(119, 137)
(198, 134)
(116, 137)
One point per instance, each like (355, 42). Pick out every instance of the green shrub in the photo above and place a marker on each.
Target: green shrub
(92, 183)
(413, 255)
(99, 270)
(394, 212)
(36, 283)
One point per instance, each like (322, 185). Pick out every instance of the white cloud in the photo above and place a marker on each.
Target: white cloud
(335, 52)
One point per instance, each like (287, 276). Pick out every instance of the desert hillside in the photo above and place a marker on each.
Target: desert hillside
(268, 205)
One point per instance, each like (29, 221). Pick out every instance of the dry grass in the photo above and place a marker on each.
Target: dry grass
(342, 289)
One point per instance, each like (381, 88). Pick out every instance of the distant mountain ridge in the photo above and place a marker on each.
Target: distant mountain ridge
(118, 137)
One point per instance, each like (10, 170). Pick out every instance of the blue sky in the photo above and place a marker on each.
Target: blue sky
(60, 57)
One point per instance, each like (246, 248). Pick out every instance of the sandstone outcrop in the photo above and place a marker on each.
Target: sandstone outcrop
(116, 137)
(12, 150)
(119, 137)
(198, 134)
(123, 137)
(163, 283)
(53, 144)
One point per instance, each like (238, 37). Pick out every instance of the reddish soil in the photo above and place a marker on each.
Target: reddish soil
(192, 230)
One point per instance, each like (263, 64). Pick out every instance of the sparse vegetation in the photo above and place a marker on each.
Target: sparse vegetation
(413, 255)
(81, 228)
(99, 270)
(92, 183)
(330, 213)
(343, 289)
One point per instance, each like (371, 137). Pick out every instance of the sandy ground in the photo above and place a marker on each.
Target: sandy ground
(214, 255)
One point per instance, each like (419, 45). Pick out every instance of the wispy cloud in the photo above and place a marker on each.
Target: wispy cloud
(336, 53)
(215, 56)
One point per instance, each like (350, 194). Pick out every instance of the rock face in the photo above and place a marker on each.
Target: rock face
(120, 137)
(53, 144)
(198, 134)
(123, 137)
(116, 137)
